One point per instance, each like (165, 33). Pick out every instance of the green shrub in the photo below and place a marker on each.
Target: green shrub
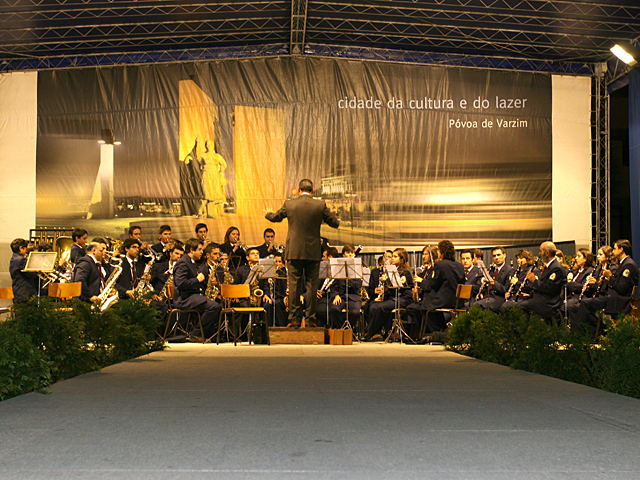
(23, 367)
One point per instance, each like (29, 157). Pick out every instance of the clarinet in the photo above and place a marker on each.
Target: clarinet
(515, 275)
(601, 281)
(584, 288)
(524, 281)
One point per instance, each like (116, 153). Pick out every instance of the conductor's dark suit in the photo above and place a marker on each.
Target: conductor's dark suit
(187, 295)
(303, 248)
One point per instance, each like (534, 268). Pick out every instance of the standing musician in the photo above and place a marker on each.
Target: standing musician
(442, 281)
(161, 271)
(165, 244)
(546, 295)
(354, 296)
(132, 273)
(303, 247)
(188, 284)
(91, 271)
(499, 285)
(619, 291)
(520, 288)
(79, 237)
(234, 248)
(380, 313)
(24, 284)
(268, 248)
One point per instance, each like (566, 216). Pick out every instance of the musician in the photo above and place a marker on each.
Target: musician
(241, 275)
(304, 249)
(135, 233)
(520, 288)
(24, 284)
(91, 271)
(343, 298)
(442, 281)
(162, 270)
(212, 256)
(414, 309)
(577, 279)
(202, 231)
(325, 292)
(79, 237)
(472, 274)
(280, 289)
(165, 244)
(499, 285)
(234, 248)
(546, 295)
(188, 285)
(132, 269)
(562, 260)
(380, 313)
(268, 248)
(618, 297)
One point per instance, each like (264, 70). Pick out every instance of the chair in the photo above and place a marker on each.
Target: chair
(6, 293)
(463, 292)
(65, 292)
(177, 327)
(239, 291)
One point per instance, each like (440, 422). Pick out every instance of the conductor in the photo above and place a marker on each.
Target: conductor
(303, 251)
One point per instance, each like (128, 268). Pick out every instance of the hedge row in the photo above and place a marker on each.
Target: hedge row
(45, 343)
(515, 340)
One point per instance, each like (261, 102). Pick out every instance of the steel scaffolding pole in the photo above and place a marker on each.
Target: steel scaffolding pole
(601, 188)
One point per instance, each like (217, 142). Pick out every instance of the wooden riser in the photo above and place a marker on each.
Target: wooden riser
(296, 336)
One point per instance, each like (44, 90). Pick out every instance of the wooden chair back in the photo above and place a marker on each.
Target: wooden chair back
(65, 291)
(235, 291)
(6, 293)
(464, 291)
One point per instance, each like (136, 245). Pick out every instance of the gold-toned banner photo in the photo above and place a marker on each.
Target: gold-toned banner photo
(407, 155)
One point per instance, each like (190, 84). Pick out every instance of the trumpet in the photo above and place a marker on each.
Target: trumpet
(240, 244)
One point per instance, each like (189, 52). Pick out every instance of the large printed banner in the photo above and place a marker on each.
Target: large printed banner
(407, 155)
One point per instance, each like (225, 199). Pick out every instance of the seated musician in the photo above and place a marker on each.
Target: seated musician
(619, 290)
(79, 237)
(135, 233)
(380, 313)
(595, 288)
(92, 272)
(188, 287)
(472, 274)
(132, 273)
(24, 284)
(344, 297)
(201, 234)
(325, 292)
(234, 248)
(414, 309)
(519, 287)
(547, 290)
(499, 285)
(374, 281)
(241, 275)
(165, 244)
(442, 283)
(162, 270)
(268, 248)
(212, 263)
(577, 280)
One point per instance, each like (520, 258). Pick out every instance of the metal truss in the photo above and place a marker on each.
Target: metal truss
(450, 59)
(298, 26)
(600, 176)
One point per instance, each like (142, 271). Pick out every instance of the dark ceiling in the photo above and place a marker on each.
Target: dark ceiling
(547, 35)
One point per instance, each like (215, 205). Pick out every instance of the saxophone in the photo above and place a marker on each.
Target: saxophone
(143, 286)
(212, 290)
(164, 293)
(227, 277)
(110, 295)
(255, 299)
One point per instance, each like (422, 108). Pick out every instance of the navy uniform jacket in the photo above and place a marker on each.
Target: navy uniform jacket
(159, 248)
(620, 286)
(305, 215)
(205, 269)
(405, 295)
(243, 272)
(24, 284)
(355, 286)
(186, 284)
(526, 289)
(159, 275)
(593, 288)
(443, 282)
(237, 258)
(579, 278)
(86, 272)
(76, 252)
(548, 289)
(502, 283)
(281, 283)
(125, 280)
(374, 280)
(473, 277)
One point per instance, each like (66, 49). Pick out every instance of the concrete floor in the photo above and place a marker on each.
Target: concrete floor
(366, 411)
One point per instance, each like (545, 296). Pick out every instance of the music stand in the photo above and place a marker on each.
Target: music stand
(485, 275)
(268, 271)
(41, 263)
(346, 269)
(396, 284)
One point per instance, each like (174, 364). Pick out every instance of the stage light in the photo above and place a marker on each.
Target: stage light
(626, 52)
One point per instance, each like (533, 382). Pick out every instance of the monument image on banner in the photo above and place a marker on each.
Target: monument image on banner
(406, 154)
